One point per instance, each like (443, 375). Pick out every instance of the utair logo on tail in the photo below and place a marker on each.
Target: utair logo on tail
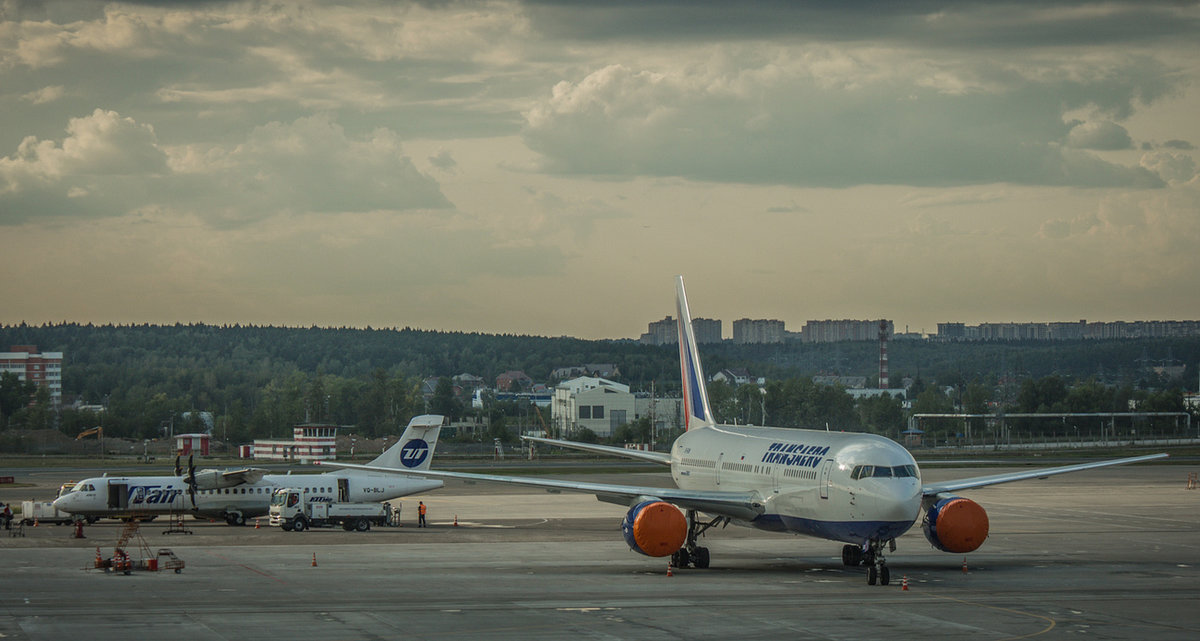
(414, 452)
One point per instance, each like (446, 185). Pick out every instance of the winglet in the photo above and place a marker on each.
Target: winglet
(697, 412)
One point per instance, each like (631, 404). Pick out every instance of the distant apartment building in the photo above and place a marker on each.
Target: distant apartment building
(43, 368)
(834, 331)
(666, 331)
(751, 331)
(1071, 330)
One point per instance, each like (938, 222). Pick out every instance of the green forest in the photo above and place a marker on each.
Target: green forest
(259, 381)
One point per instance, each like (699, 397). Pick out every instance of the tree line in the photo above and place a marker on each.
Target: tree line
(259, 381)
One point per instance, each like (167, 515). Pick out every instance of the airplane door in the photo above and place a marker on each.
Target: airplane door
(343, 490)
(118, 495)
(717, 470)
(825, 481)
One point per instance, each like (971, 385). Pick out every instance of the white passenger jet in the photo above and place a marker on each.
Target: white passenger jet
(859, 489)
(240, 494)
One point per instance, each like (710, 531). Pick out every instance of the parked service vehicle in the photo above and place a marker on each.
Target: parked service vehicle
(43, 512)
(292, 510)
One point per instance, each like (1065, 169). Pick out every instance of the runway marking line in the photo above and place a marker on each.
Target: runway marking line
(1009, 610)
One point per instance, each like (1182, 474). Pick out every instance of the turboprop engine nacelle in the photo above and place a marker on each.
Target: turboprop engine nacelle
(216, 479)
(955, 524)
(654, 528)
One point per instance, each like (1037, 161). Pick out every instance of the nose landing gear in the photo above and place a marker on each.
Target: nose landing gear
(870, 555)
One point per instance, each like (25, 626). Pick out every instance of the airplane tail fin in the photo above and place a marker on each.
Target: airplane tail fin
(697, 412)
(415, 448)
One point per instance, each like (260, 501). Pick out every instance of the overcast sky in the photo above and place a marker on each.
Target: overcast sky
(548, 167)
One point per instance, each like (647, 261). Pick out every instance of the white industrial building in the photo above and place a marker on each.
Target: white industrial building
(597, 404)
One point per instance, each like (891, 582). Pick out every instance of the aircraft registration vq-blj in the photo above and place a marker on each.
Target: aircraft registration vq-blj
(862, 490)
(236, 495)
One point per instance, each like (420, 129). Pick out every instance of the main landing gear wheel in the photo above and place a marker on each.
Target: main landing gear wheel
(852, 556)
(691, 553)
(697, 558)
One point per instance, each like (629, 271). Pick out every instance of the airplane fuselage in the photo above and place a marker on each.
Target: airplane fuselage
(114, 496)
(842, 486)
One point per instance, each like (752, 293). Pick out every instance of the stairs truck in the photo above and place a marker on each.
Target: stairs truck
(292, 510)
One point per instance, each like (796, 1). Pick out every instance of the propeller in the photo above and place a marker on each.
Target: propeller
(191, 481)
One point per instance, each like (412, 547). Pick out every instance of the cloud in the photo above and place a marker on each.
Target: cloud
(309, 165)
(1179, 144)
(45, 95)
(932, 23)
(1174, 168)
(820, 118)
(1099, 136)
(111, 165)
(444, 160)
(104, 157)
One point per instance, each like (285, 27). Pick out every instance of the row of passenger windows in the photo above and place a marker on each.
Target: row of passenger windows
(698, 462)
(260, 490)
(799, 474)
(883, 471)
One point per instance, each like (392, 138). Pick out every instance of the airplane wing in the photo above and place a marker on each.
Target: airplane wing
(661, 458)
(930, 489)
(738, 505)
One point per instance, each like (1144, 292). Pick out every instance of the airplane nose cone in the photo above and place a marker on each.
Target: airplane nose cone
(62, 503)
(900, 501)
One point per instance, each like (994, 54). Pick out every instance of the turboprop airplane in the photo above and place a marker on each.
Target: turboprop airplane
(861, 490)
(240, 494)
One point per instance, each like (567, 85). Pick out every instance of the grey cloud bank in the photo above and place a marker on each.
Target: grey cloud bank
(463, 155)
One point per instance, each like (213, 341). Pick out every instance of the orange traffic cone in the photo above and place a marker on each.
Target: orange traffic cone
(314, 559)
(670, 571)
(256, 523)
(455, 520)
(35, 521)
(904, 584)
(99, 559)
(964, 565)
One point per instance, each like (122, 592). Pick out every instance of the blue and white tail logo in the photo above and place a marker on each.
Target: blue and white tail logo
(697, 412)
(414, 453)
(415, 448)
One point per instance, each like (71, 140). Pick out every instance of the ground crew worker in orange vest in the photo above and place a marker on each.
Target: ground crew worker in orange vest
(421, 514)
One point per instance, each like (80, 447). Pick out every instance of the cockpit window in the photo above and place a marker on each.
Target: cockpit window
(883, 471)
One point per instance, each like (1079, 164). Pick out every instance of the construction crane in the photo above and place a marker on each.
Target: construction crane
(99, 432)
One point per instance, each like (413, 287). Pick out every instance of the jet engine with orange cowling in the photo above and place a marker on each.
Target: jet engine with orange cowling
(954, 524)
(654, 528)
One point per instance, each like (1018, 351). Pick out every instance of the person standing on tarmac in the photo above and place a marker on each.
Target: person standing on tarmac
(421, 514)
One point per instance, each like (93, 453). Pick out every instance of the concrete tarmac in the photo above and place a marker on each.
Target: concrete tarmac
(1105, 554)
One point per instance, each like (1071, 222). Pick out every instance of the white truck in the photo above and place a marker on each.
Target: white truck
(291, 510)
(43, 512)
